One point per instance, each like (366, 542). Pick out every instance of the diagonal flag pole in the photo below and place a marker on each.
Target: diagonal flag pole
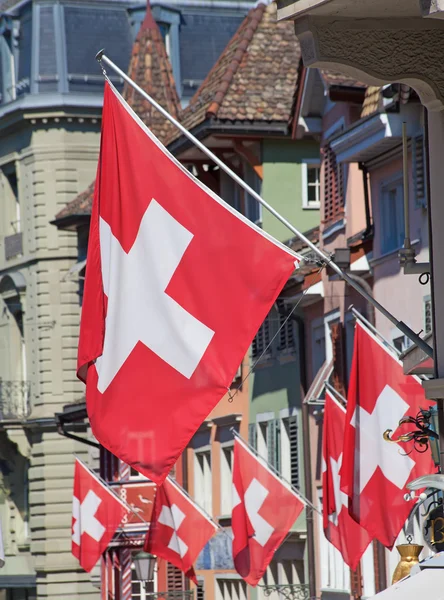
(275, 471)
(405, 329)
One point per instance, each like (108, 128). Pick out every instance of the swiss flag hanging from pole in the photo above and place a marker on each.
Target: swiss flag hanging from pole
(179, 529)
(96, 515)
(177, 285)
(340, 529)
(264, 509)
(375, 472)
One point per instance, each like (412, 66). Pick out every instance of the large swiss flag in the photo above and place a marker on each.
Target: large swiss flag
(179, 529)
(264, 509)
(340, 529)
(375, 472)
(177, 285)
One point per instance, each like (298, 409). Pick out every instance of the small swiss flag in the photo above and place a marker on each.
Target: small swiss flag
(177, 285)
(264, 509)
(375, 472)
(179, 529)
(340, 529)
(96, 515)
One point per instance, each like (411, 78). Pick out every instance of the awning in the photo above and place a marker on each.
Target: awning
(428, 584)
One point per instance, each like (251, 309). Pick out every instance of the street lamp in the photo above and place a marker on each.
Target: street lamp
(144, 564)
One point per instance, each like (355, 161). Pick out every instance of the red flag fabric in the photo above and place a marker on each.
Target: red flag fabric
(375, 472)
(264, 509)
(179, 529)
(177, 285)
(340, 529)
(96, 515)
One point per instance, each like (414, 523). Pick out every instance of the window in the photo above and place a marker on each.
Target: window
(427, 314)
(231, 589)
(335, 574)
(311, 184)
(318, 346)
(289, 456)
(202, 480)
(252, 435)
(226, 476)
(268, 439)
(253, 210)
(165, 32)
(391, 217)
(10, 211)
(401, 342)
(262, 339)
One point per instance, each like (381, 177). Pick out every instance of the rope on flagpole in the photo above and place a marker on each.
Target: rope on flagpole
(405, 329)
(231, 396)
(276, 472)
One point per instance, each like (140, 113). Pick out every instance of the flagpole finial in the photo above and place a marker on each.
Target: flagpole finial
(99, 54)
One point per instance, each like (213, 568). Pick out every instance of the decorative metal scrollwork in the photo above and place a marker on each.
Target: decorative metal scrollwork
(420, 436)
(287, 592)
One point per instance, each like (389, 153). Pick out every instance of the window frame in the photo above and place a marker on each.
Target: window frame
(305, 165)
(386, 225)
(206, 489)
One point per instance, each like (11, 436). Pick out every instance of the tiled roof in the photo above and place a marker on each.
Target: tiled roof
(371, 101)
(255, 76)
(150, 68)
(334, 78)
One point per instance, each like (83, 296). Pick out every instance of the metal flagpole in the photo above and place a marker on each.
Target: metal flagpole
(373, 329)
(275, 472)
(334, 392)
(405, 329)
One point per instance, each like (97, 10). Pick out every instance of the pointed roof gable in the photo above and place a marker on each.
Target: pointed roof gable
(255, 76)
(151, 69)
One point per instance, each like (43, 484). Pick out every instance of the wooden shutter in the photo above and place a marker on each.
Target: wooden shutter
(419, 170)
(339, 360)
(200, 591)
(356, 583)
(333, 187)
(175, 578)
(273, 443)
(293, 436)
(252, 435)
(427, 315)
(262, 339)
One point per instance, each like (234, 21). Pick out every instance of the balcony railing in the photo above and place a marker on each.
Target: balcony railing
(286, 592)
(14, 399)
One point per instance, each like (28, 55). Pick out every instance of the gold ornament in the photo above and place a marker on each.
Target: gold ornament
(409, 557)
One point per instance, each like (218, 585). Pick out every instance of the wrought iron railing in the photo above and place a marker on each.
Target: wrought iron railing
(171, 595)
(286, 592)
(14, 399)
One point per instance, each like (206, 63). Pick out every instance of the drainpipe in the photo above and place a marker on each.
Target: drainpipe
(307, 461)
(368, 220)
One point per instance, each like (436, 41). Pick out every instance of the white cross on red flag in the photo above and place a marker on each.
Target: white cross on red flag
(96, 515)
(179, 529)
(177, 285)
(340, 529)
(264, 509)
(375, 472)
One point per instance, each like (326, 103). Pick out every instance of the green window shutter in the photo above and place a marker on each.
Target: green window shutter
(294, 455)
(252, 435)
(273, 443)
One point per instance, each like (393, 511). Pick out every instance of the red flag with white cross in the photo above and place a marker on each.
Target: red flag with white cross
(340, 529)
(96, 515)
(375, 472)
(179, 529)
(177, 285)
(264, 509)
